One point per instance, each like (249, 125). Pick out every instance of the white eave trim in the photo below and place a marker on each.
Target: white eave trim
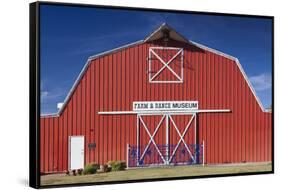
(250, 85)
(212, 50)
(74, 86)
(115, 49)
(90, 59)
(47, 115)
(239, 66)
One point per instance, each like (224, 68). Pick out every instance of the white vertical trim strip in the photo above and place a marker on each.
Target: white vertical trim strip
(149, 65)
(167, 139)
(203, 154)
(128, 149)
(138, 142)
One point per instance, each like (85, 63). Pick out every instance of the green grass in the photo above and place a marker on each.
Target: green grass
(157, 172)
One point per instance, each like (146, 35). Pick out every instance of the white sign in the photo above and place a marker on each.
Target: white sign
(165, 106)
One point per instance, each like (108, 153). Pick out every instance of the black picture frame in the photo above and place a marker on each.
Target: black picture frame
(34, 92)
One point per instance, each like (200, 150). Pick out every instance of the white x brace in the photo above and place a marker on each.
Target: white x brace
(181, 137)
(167, 159)
(152, 138)
(165, 64)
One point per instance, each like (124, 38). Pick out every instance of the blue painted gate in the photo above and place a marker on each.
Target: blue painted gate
(177, 155)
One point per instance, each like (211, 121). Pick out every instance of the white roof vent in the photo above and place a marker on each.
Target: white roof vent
(59, 105)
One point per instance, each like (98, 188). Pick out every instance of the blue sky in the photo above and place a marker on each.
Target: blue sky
(69, 35)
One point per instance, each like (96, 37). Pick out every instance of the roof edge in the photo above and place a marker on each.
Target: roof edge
(115, 49)
(91, 58)
(250, 86)
(152, 33)
(240, 68)
(213, 50)
(47, 115)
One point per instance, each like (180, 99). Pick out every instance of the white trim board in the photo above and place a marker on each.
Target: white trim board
(156, 112)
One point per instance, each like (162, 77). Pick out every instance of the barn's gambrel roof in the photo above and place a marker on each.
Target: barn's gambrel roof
(156, 34)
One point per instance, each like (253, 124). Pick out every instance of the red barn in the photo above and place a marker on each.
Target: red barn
(161, 100)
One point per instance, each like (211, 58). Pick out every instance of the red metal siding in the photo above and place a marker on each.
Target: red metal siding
(42, 143)
(114, 81)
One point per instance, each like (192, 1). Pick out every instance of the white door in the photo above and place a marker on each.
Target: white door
(76, 152)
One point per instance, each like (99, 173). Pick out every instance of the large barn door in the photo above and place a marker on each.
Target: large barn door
(183, 149)
(151, 143)
(155, 146)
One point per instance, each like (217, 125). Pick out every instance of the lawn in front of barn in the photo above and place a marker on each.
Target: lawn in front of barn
(156, 172)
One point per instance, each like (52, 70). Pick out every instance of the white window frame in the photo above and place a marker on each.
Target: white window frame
(165, 65)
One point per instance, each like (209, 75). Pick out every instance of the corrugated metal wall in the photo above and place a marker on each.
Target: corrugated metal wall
(112, 82)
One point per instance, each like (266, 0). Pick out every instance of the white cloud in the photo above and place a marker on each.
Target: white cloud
(54, 94)
(261, 82)
(44, 94)
(48, 94)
